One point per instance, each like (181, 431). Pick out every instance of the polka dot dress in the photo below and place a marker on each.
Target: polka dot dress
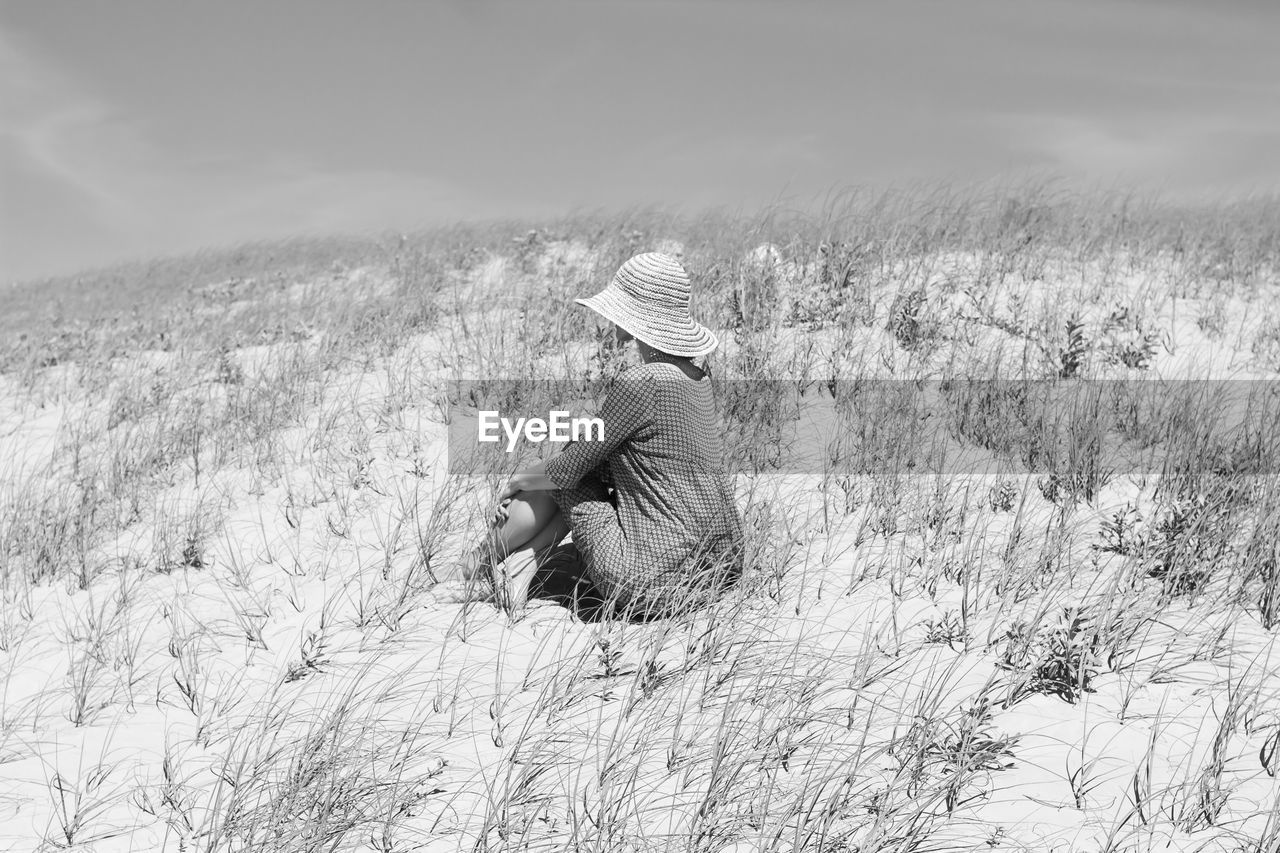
(671, 515)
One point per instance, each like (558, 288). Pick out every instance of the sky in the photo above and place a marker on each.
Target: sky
(139, 128)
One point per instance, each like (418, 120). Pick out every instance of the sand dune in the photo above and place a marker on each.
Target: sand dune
(230, 618)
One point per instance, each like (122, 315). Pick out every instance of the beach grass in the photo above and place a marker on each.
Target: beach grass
(977, 616)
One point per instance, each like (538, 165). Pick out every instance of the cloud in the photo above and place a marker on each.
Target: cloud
(1093, 145)
(48, 127)
(1182, 154)
(73, 158)
(272, 199)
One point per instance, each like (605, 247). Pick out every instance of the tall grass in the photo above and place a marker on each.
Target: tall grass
(238, 534)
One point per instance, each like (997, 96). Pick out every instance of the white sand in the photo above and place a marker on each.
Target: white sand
(305, 682)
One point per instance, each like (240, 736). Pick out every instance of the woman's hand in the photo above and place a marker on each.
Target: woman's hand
(531, 479)
(500, 514)
(513, 487)
(505, 497)
(521, 481)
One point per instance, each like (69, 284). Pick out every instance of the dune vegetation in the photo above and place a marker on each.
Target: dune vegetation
(230, 617)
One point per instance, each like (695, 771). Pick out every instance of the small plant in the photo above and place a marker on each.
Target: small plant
(133, 403)
(851, 494)
(228, 370)
(1058, 488)
(1061, 661)
(975, 746)
(1071, 357)
(884, 521)
(831, 295)
(1002, 497)
(609, 655)
(906, 318)
(755, 298)
(313, 658)
(1121, 533)
(528, 248)
(948, 630)
(650, 678)
(1126, 341)
(78, 804)
(1179, 547)
(179, 539)
(1269, 590)
(186, 675)
(1266, 343)
(1081, 782)
(1074, 456)
(956, 752)
(192, 552)
(1213, 321)
(1269, 754)
(85, 676)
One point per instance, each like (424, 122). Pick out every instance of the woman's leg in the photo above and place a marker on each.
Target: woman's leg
(530, 517)
(533, 521)
(513, 575)
(592, 514)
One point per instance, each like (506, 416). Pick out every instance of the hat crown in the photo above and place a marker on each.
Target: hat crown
(655, 279)
(649, 297)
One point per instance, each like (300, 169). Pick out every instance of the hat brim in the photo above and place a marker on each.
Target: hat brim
(686, 338)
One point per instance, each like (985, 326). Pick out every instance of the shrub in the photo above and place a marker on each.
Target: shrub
(1059, 660)
(1071, 356)
(1001, 497)
(906, 319)
(1121, 533)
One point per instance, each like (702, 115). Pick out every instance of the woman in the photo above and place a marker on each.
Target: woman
(652, 513)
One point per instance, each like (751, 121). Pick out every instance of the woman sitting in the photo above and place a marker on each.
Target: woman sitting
(654, 523)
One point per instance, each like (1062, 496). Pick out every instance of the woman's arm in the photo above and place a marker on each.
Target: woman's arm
(531, 479)
(626, 409)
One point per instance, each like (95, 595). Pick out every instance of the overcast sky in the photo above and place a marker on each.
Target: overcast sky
(140, 127)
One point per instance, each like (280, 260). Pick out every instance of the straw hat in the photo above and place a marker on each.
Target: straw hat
(649, 297)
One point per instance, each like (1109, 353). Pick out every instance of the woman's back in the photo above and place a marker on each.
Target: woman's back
(675, 509)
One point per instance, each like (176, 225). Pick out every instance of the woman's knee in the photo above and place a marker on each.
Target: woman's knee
(530, 510)
(528, 513)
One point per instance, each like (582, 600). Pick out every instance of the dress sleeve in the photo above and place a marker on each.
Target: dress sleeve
(626, 409)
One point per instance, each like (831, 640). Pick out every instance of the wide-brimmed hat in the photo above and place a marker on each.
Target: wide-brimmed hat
(649, 297)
